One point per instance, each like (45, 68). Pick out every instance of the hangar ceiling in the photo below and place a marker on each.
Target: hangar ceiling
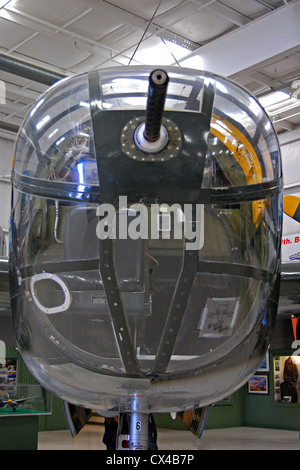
(254, 42)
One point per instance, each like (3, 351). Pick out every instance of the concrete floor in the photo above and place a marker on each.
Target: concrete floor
(238, 438)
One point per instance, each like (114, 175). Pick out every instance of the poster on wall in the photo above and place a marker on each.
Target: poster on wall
(8, 376)
(259, 384)
(291, 228)
(291, 203)
(265, 367)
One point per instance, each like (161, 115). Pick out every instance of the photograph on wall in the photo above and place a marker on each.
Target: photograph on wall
(265, 367)
(8, 376)
(259, 384)
(8, 372)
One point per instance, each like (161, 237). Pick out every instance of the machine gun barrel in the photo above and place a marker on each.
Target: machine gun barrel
(158, 83)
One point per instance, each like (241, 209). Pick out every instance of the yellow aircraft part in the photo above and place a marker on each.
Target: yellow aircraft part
(245, 155)
(291, 207)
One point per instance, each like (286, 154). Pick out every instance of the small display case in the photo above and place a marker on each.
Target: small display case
(24, 400)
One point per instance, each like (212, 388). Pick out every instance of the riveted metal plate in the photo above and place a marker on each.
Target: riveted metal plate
(168, 153)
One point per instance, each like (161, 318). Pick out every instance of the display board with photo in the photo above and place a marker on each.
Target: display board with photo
(286, 379)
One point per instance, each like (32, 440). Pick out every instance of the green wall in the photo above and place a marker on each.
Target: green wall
(221, 415)
(19, 433)
(246, 409)
(228, 414)
(243, 409)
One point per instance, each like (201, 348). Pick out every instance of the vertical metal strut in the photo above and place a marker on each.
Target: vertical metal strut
(139, 427)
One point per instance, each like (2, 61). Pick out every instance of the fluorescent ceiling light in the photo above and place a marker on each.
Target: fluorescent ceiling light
(42, 122)
(85, 104)
(279, 104)
(52, 133)
(194, 62)
(274, 98)
(38, 104)
(3, 3)
(59, 141)
(162, 53)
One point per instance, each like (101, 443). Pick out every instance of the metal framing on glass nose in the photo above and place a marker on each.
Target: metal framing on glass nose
(112, 185)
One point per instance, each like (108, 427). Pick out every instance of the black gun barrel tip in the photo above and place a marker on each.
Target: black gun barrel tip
(159, 77)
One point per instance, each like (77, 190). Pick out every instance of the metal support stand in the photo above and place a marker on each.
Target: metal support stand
(139, 428)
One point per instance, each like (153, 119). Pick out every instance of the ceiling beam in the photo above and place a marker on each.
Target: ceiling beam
(289, 126)
(22, 91)
(229, 14)
(248, 46)
(107, 51)
(168, 19)
(9, 127)
(263, 79)
(51, 30)
(289, 136)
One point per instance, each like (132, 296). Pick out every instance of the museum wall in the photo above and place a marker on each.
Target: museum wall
(243, 408)
(274, 409)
